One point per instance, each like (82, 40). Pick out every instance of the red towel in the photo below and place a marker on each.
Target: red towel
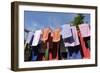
(86, 51)
(50, 56)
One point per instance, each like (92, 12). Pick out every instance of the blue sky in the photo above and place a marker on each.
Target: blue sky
(34, 20)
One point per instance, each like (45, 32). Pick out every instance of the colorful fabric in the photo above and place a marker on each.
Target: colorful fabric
(85, 30)
(56, 35)
(75, 36)
(85, 50)
(74, 52)
(27, 53)
(66, 31)
(35, 52)
(46, 54)
(45, 34)
(73, 40)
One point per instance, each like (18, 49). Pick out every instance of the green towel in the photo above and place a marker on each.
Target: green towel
(46, 54)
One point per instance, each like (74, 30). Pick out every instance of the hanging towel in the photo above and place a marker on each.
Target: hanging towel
(46, 51)
(86, 51)
(69, 41)
(78, 55)
(56, 35)
(35, 52)
(56, 43)
(36, 38)
(29, 37)
(87, 42)
(85, 30)
(74, 52)
(45, 34)
(46, 46)
(62, 46)
(27, 53)
(46, 54)
(63, 50)
(66, 31)
(73, 38)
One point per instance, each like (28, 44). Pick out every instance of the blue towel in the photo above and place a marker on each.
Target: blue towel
(35, 53)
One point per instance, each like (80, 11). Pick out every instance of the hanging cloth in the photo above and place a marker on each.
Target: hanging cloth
(36, 38)
(27, 53)
(86, 51)
(85, 30)
(63, 50)
(56, 43)
(29, 39)
(66, 31)
(73, 40)
(46, 35)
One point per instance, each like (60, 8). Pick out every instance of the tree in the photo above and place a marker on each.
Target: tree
(79, 19)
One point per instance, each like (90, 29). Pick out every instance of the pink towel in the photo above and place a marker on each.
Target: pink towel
(85, 30)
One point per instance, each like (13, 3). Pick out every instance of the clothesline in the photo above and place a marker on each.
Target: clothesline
(71, 37)
(68, 33)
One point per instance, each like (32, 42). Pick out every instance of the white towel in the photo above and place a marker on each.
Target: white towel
(85, 30)
(29, 37)
(36, 38)
(66, 31)
(75, 37)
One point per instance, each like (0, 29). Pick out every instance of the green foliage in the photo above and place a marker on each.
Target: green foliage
(78, 20)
